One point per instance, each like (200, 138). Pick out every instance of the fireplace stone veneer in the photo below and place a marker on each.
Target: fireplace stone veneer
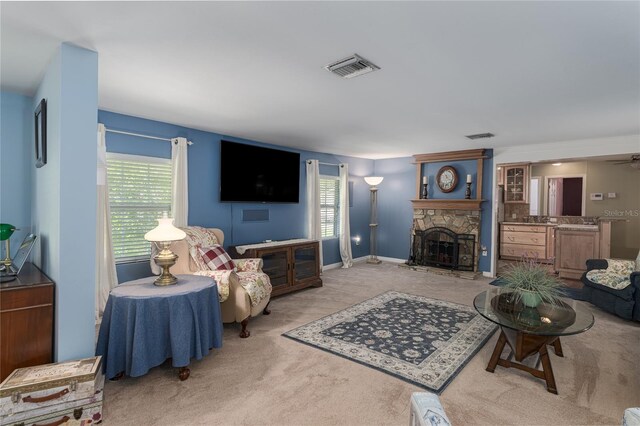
(465, 223)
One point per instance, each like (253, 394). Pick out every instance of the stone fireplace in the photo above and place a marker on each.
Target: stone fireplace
(445, 234)
(443, 248)
(445, 238)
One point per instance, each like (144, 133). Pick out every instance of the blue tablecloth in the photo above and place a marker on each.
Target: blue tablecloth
(144, 324)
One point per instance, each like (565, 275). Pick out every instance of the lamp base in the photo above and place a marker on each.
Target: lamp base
(165, 259)
(7, 260)
(165, 279)
(374, 260)
(6, 278)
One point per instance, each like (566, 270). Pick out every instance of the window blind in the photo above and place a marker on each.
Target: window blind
(139, 192)
(329, 199)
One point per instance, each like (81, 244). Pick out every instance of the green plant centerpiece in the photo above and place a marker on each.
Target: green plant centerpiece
(532, 283)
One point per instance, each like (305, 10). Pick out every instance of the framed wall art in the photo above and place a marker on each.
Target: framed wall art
(40, 122)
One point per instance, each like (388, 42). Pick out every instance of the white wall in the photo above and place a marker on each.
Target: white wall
(64, 196)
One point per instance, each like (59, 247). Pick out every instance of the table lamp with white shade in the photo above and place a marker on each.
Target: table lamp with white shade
(163, 235)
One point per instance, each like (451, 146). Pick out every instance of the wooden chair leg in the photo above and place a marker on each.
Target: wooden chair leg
(183, 373)
(266, 310)
(244, 333)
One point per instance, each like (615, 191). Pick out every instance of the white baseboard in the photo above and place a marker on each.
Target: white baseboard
(386, 259)
(392, 259)
(488, 274)
(332, 266)
(363, 259)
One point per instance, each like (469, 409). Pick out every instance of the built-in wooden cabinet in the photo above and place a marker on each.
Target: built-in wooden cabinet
(290, 266)
(516, 183)
(533, 241)
(26, 320)
(574, 246)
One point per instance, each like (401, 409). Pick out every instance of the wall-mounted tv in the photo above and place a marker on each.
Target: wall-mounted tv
(255, 174)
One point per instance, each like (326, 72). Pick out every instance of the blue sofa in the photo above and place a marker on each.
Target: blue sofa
(613, 297)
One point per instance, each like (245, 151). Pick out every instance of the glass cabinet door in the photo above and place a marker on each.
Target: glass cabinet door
(275, 264)
(516, 180)
(305, 262)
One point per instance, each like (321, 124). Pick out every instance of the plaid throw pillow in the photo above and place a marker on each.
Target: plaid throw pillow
(216, 258)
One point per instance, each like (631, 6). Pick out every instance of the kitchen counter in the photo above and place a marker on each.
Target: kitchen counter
(577, 227)
(529, 223)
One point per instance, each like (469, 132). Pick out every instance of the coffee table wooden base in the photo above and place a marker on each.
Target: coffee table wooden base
(524, 345)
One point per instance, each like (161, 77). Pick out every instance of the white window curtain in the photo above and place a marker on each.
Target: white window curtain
(106, 277)
(180, 182)
(345, 231)
(314, 228)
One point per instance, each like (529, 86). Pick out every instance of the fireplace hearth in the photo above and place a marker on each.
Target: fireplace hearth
(443, 248)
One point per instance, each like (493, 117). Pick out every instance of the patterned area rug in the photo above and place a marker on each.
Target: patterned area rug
(421, 340)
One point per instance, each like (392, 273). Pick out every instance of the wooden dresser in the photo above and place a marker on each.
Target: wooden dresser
(530, 240)
(26, 320)
(290, 266)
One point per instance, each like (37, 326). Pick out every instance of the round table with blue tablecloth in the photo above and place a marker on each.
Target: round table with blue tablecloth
(143, 325)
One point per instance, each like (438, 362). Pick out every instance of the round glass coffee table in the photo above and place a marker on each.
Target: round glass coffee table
(528, 331)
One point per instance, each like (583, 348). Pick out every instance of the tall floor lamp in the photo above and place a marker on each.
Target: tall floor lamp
(373, 225)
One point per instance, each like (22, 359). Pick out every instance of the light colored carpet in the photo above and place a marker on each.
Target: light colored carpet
(268, 379)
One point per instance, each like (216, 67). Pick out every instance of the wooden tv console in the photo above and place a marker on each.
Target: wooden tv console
(291, 265)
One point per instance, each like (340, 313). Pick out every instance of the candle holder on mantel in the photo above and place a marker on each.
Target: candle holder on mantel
(425, 193)
(467, 192)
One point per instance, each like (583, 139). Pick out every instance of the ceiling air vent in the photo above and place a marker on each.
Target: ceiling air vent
(352, 66)
(480, 136)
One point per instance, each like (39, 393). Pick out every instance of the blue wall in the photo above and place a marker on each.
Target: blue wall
(64, 196)
(395, 213)
(463, 168)
(16, 162)
(285, 220)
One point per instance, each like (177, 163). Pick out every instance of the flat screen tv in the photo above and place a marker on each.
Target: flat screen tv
(255, 174)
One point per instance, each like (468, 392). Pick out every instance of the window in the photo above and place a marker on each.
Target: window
(139, 192)
(329, 206)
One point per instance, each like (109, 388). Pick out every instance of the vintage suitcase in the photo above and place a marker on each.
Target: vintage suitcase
(65, 393)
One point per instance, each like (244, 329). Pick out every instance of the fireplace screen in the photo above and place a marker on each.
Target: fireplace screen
(443, 248)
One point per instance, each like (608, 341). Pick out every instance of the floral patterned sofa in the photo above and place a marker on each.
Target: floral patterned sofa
(614, 286)
(244, 292)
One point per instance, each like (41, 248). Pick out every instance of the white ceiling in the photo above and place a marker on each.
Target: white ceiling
(530, 72)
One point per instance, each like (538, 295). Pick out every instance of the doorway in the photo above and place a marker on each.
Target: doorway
(565, 196)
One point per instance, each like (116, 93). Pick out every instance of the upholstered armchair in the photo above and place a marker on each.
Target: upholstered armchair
(614, 286)
(244, 293)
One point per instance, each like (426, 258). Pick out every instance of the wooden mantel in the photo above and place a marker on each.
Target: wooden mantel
(469, 154)
(451, 204)
(447, 204)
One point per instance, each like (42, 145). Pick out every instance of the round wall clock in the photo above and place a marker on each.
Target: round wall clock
(447, 179)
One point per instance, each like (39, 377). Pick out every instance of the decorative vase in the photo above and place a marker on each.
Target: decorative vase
(530, 298)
